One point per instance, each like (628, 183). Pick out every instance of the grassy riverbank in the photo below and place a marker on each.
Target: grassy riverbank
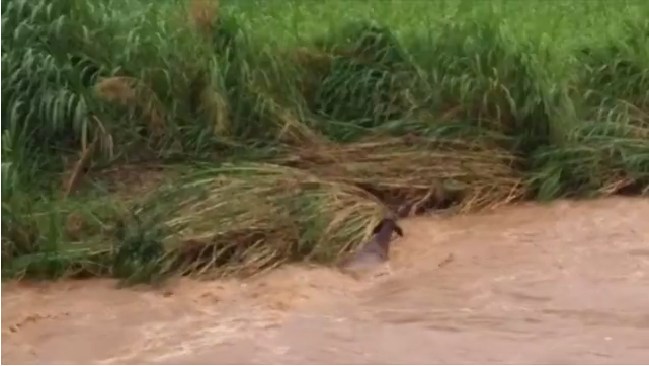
(142, 139)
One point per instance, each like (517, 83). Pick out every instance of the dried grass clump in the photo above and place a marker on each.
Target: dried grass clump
(133, 93)
(206, 101)
(418, 172)
(204, 14)
(247, 218)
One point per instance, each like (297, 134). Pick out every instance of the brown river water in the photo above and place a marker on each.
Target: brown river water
(566, 282)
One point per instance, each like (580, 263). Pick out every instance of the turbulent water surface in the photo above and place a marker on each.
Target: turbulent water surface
(561, 283)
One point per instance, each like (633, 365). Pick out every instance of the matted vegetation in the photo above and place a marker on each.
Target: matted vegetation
(145, 139)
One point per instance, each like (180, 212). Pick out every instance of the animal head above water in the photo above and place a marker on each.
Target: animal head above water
(386, 227)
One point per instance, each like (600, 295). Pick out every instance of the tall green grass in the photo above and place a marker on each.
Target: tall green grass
(561, 85)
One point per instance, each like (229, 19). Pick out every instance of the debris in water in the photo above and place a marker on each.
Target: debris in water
(450, 259)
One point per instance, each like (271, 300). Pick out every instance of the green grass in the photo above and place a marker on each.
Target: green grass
(295, 125)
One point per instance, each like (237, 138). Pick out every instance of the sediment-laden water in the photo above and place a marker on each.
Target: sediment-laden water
(566, 282)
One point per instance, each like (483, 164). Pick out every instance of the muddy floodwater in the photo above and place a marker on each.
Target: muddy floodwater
(566, 282)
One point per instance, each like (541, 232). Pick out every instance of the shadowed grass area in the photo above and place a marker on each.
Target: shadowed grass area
(146, 139)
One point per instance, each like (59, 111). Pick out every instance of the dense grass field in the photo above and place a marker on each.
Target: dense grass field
(142, 139)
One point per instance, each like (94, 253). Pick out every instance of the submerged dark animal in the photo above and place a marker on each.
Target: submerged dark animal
(375, 251)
